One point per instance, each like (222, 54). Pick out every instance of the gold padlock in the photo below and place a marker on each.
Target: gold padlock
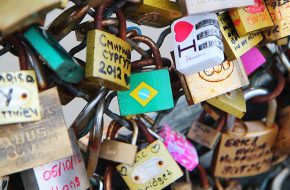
(108, 56)
(231, 102)
(154, 167)
(235, 45)
(251, 18)
(15, 14)
(156, 13)
(246, 149)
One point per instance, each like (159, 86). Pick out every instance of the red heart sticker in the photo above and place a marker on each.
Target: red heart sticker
(182, 30)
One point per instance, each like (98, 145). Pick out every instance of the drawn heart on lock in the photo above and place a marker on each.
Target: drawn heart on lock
(127, 79)
(182, 30)
(259, 7)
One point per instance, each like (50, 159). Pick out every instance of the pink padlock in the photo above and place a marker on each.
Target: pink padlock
(252, 60)
(179, 147)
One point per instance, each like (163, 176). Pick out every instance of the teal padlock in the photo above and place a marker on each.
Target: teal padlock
(150, 91)
(54, 54)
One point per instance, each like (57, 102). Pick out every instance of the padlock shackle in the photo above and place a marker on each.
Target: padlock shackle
(113, 129)
(108, 176)
(203, 176)
(153, 46)
(142, 127)
(276, 92)
(20, 50)
(120, 15)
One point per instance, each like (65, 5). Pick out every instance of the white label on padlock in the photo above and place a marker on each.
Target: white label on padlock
(4, 182)
(65, 174)
(197, 43)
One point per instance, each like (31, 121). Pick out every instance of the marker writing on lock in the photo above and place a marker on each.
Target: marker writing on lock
(7, 96)
(21, 112)
(16, 78)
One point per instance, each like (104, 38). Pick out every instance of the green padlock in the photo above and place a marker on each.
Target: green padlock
(149, 91)
(56, 56)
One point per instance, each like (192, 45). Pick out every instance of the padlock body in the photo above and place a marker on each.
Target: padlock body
(118, 152)
(108, 60)
(247, 153)
(16, 14)
(204, 135)
(232, 102)
(155, 13)
(4, 180)
(197, 43)
(252, 18)
(252, 60)
(280, 14)
(179, 147)
(149, 91)
(213, 82)
(235, 45)
(26, 145)
(55, 56)
(154, 168)
(182, 186)
(19, 99)
(190, 7)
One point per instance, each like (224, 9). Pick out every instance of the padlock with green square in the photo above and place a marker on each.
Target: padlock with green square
(149, 91)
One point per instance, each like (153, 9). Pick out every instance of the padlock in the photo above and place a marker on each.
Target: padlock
(231, 102)
(252, 18)
(252, 60)
(204, 134)
(197, 43)
(230, 184)
(69, 172)
(212, 111)
(19, 100)
(280, 14)
(18, 14)
(4, 180)
(149, 91)
(246, 149)
(108, 56)
(118, 151)
(55, 56)
(154, 168)
(185, 185)
(179, 148)
(155, 13)
(235, 45)
(190, 7)
(213, 82)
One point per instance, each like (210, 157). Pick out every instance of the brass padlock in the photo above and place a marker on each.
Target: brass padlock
(155, 13)
(204, 134)
(18, 14)
(118, 151)
(252, 18)
(246, 149)
(154, 168)
(235, 45)
(19, 101)
(108, 57)
(185, 185)
(231, 102)
(280, 14)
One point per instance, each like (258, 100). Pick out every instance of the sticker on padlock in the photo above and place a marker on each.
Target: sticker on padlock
(155, 13)
(179, 147)
(149, 91)
(190, 7)
(26, 145)
(197, 43)
(280, 14)
(252, 18)
(246, 148)
(108, 56)
(213, 82)
(154, 168)
(235, 45)
(252, 60)
(232, 102)
(66, 173)
(118, 151)
(4, 180)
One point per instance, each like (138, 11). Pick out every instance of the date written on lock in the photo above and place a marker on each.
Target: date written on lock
(112, 60)
(19, 100)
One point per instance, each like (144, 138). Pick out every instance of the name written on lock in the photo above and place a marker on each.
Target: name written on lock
(18, 97)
